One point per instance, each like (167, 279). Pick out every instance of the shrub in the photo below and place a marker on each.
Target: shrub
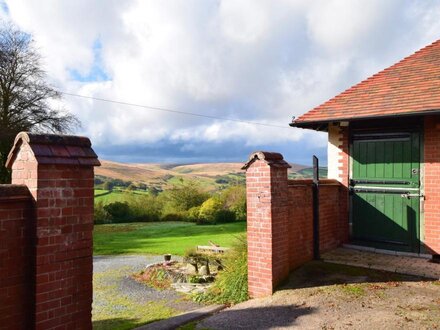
(100, 214)
(234, 199)
(144, 208)
(107, 186)
(173, 217)
(142, 186)
(154, 191)
(209, 210)
(193, 214)
(98, 181)
(223, 216)
(231, 283)
(220, 208)
(132, 187)
(182, 198)
(118, 211)
(222, 180)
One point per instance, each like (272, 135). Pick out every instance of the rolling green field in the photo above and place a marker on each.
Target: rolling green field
(161, 237)
(107, 197)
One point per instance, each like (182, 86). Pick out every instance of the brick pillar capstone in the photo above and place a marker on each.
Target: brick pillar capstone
(267, 222)
(58, 171)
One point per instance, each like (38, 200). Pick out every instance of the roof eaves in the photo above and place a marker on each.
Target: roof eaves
(314, 123)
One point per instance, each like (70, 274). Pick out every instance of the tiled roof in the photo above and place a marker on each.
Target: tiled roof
(411, 86)
(56, 149)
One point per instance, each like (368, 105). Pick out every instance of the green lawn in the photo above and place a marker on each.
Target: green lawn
(161, 237)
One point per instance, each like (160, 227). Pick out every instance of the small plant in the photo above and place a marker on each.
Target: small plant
(353, 290)
(154, 277)
(231, 283)
(194, 279)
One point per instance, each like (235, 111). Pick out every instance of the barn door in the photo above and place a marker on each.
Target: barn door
(385, 190)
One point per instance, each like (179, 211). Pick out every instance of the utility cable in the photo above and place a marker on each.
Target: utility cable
(172, 110)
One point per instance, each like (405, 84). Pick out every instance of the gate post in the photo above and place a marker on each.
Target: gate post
(58, 171)
(267, 222)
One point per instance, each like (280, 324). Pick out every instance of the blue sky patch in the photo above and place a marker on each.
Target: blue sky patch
(97, 71)
(4, 7)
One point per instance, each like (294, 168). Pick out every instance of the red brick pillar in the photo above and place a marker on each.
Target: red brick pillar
(267, 222)
(431, 229)
(58, 170)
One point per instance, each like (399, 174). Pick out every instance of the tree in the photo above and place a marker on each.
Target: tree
(185, 196)
(132, 187)
(25, 94)
(107, 186)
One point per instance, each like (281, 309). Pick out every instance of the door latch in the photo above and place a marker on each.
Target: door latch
(415, 171)
(408, 196)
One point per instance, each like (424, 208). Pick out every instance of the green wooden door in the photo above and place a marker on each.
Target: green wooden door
(385, 190)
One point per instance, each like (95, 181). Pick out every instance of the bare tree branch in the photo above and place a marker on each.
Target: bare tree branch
(25, 94)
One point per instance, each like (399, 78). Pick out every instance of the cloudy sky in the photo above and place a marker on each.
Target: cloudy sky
(251, 60)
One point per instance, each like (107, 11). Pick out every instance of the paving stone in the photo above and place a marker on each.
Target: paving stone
(390, 261)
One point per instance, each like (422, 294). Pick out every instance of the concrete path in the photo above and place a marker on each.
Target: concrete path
(327, 296)
(386, 260)
(179, 320)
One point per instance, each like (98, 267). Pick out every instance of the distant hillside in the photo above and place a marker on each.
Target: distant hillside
(209, 175)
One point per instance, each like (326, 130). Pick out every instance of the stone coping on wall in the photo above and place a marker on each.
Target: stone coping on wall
(274, 159)
(308, 182)
(56, 149)
(9, 192)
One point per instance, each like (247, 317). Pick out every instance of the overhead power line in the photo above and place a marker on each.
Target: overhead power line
(173, 111)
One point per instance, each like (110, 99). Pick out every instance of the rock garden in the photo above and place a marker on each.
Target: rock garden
(194, 274)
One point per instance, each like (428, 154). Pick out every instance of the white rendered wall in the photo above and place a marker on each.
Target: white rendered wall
(333, 152)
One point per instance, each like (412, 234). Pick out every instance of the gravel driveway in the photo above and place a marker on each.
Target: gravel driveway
(115, 292)
(103, 263)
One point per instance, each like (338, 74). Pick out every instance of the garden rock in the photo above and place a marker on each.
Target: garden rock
(190, 269)
(190, 288)
(204, 270)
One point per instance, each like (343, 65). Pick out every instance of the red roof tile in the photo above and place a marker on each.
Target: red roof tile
(410, 86)
(56, 149)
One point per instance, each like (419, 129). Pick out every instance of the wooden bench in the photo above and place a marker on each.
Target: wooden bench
(211, 249)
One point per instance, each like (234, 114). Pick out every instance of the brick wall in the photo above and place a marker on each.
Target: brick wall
(16, 255)
(57, 172)
(432, 184)
(279, 221)
(333, 230)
